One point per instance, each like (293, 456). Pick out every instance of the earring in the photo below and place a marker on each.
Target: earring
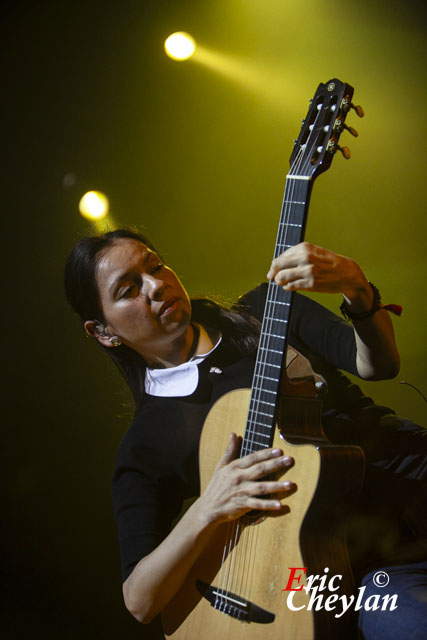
(100, 329)
(115, 341)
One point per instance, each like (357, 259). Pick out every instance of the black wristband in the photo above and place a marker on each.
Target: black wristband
(355, 317)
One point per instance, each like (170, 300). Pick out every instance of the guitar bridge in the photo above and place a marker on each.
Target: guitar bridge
(234, 605)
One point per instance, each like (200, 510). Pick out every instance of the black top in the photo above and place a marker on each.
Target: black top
(157, 463)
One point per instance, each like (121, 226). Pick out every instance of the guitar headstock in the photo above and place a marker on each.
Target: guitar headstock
(321, 129)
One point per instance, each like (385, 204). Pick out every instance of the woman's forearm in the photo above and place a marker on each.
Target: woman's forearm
(377, 354)
(158, 576)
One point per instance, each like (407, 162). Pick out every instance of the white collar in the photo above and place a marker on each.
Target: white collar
(178, 381)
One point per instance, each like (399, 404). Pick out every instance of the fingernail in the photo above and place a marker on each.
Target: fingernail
(277, 452)
(287, 460)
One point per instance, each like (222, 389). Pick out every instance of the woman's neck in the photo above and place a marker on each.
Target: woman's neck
(195, 341)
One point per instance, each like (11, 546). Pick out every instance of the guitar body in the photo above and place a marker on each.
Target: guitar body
(239, 586)
(260, 554)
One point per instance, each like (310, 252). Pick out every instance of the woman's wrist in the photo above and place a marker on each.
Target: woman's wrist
(202, 515)
(362, 310)
(358, 295)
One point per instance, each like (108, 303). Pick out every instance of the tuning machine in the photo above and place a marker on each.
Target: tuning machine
(345, 151)
(346, 105)
(333, 147)
(339, 126)
(351, 130)
(358, 109)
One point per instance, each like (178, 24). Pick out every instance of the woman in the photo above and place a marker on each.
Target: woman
(178, 357)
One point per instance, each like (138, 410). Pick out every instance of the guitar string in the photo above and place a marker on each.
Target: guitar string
(219, 589)
(283, 236)
(240, 551)
(287, 209)
(273, 296)
(289, 199)
(251, 532)
(224, 590)
(265, 342)
(252, 432)
(233, 553)
(247, 553)
(285, 229)
(266, 336)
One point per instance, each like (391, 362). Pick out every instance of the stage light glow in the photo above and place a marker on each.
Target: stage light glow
(180, 46)
(275, 87)
(94, 205)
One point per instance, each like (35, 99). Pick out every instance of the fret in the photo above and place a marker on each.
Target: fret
(275, 319)
(246, 448)
(266, 377)
(270, 404)
(293, 202)
(262, 413)
(271, 350)
(265, 390)
(287, 304)
(273, 335)
(288, 246)
(266, 363)
(267, 385)
(257, 433)
(263, 364)
(289, 224)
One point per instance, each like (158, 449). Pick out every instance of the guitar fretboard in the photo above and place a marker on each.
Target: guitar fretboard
(260, 423)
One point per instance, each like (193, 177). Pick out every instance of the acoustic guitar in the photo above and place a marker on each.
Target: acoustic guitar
(237, 587)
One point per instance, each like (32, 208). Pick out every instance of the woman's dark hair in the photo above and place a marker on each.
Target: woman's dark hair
(238, 328)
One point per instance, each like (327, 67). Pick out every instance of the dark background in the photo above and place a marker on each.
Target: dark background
(196, 153)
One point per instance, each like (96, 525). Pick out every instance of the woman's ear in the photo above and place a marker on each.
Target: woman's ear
(95, 329)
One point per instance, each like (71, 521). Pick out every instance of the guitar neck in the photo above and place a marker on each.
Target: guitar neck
(312, 154)
(260, 423)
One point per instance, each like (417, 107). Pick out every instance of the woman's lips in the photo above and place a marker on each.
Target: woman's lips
(169, 306)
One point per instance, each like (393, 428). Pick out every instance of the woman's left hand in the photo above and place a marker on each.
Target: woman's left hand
(308, 267)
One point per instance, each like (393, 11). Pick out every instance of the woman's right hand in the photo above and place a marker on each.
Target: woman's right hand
(235, 488)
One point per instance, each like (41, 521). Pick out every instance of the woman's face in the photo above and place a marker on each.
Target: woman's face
(143, 301)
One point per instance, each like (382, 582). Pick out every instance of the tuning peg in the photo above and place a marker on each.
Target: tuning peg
(345, 151)
(339, 126)
(351, 130)
(358, 109)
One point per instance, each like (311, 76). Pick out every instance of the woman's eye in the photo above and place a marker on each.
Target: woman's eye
(127, 291)
(158, 268)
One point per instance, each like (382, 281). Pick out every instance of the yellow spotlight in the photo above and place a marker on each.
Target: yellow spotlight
(94, 205)
(180, 46)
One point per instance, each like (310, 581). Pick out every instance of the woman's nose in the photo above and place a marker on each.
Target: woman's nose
(154, 287)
